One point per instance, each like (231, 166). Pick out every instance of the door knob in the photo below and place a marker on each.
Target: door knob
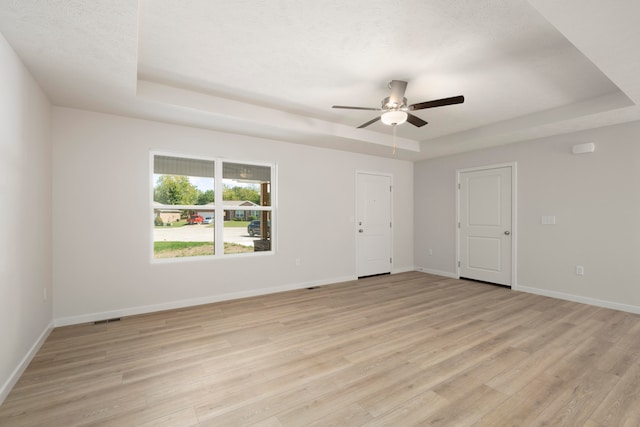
(507, 232)
(360, 230)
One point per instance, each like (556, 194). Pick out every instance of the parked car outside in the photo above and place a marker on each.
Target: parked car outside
(207, 220)
(254, 228)
(195, 219)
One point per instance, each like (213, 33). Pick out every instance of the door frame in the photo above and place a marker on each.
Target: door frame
(514, 216)
(354, 219)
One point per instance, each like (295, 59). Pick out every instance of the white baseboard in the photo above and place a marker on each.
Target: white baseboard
(437, 272)
(132, 311)
(402, 270)
(577, 298)
(17, 372)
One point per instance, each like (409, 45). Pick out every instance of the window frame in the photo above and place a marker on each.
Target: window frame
(219, 207)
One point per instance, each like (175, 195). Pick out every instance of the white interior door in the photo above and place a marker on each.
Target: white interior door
(373, 224)
(485, 225)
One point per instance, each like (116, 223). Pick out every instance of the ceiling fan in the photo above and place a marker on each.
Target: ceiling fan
(396, 110)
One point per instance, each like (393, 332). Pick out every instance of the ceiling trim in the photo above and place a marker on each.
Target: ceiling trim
(221, 109)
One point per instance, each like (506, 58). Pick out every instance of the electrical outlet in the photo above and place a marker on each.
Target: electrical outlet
(548, 220)
(297, 261)
(430, 251)
(579, 270)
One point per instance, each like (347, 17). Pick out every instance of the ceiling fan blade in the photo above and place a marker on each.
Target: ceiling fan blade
(437, 103)
(370, 122)
(398, 87)
(415, 120)
(356, 108)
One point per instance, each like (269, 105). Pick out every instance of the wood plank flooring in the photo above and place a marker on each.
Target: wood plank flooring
(401, 350)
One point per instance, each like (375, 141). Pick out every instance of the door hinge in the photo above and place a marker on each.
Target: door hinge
(390, 224)
(458, 224)
(390, 260)
(390, 187)
(458, 263)
(458, 186)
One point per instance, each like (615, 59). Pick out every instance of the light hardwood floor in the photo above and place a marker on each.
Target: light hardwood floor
(401, 350)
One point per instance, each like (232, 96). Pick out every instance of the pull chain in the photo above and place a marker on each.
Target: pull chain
(395, 146)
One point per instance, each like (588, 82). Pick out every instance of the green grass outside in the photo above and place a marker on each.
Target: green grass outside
(187, 249)
(174, 246)
(176, 224)
(236, 223)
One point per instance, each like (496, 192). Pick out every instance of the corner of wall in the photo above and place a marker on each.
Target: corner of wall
(17, 372)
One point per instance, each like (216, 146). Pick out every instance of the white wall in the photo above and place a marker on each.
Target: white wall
(25, 217)
(102, 267)
(595, 199)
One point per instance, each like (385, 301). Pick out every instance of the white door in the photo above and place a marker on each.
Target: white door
(485, 235)
(373, 224)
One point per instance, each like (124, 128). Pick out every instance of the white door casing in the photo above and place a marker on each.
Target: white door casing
(373, 223)
(485, 224)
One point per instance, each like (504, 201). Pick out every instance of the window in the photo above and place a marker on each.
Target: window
(188, 212)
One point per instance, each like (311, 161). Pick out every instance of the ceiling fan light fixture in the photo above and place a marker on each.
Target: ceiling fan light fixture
(394, 117)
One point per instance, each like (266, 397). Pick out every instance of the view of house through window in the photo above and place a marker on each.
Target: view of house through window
(188, 213)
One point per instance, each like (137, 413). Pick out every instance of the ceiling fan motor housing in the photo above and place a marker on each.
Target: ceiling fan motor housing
(388, 105)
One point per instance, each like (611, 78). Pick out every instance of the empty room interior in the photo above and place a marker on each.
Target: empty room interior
(296, 213)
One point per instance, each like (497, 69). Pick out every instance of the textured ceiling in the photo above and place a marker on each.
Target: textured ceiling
(273, 69)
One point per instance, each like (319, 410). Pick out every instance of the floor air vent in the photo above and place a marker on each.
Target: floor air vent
(98, 322)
